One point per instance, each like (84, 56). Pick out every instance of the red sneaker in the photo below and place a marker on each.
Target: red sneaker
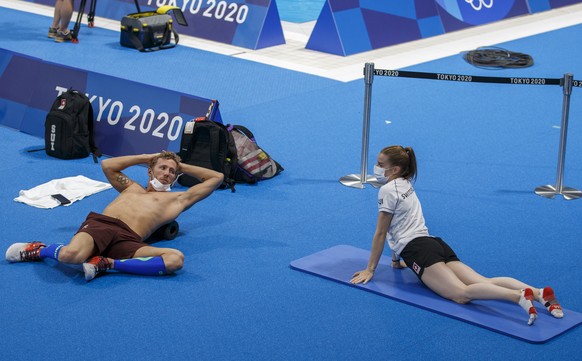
(24, 252)
(95, 266)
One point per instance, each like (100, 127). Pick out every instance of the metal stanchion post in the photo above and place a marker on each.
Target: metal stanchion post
(550, 191)
(358, 180)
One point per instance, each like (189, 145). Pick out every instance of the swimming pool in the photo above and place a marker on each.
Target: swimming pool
(299, 11)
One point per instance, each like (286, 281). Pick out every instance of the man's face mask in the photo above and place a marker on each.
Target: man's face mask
(159, 186)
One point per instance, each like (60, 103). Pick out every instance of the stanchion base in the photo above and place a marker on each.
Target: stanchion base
(550, 191)
(355, 181)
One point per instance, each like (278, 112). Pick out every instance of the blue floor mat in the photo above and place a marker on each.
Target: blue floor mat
(340, 262)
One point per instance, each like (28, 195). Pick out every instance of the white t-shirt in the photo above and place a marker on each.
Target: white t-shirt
(398, 198)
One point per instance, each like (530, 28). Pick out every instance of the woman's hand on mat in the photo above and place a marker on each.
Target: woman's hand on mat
(362, 276)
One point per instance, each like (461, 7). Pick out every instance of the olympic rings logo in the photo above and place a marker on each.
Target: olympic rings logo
(480, 4)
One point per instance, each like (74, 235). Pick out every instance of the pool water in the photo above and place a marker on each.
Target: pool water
(299, 11)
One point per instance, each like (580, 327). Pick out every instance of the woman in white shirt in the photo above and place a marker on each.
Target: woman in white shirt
(401, 223)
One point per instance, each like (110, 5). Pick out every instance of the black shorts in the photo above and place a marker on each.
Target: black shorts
(423, 252)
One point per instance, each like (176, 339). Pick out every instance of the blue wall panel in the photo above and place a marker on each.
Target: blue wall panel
(347, 27)
(371, 24)
(460, 14)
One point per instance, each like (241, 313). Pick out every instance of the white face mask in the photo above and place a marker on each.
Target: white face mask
(379, 174)
(159, 187)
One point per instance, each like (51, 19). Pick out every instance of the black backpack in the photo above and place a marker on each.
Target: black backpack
(69, 127)
(254, 164)
(210, 145)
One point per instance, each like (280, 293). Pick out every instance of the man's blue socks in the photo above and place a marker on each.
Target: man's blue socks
(147, 266)
(51, 251)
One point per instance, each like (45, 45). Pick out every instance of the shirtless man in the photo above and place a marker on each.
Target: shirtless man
(115, 238)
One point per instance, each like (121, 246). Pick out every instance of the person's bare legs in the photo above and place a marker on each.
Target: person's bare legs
(545, 295)
(147, 261)
(66, 14)
(173, 259)
(78, 250)
(62, 15)
(441, 279)
(444, 281)
(57, 14)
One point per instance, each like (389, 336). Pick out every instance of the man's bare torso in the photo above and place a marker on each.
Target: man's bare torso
(144, 212)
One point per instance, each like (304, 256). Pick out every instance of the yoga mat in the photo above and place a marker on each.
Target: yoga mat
(339, 263)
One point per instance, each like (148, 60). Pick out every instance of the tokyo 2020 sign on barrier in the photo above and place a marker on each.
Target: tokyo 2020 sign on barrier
(252, 24)
(130, 117)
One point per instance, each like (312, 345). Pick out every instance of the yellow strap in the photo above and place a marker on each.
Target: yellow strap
(166, 8)
(142, 15)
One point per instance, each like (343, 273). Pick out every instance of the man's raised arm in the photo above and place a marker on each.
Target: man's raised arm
(112, 168)
(210, 181)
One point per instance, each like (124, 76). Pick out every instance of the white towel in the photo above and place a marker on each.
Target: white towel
(73, 188)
